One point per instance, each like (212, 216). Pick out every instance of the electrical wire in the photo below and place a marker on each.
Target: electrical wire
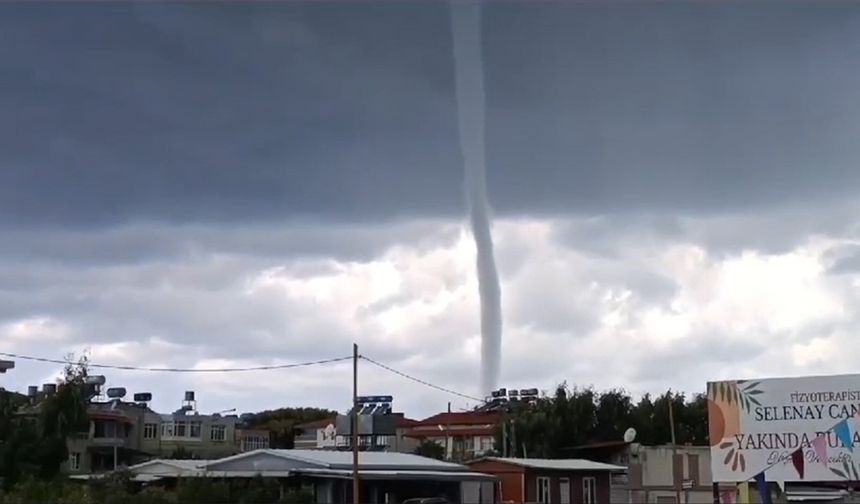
(418, 380)
(243, 369)
(181, 370)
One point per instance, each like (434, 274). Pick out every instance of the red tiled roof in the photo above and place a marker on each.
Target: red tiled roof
(460, 418)
(404, 422)
(436, 433)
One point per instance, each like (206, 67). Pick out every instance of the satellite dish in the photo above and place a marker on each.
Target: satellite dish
(629, 435)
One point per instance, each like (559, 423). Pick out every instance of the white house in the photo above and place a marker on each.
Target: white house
(386, 477)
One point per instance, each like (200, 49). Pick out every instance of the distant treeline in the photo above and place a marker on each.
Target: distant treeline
(579, 416)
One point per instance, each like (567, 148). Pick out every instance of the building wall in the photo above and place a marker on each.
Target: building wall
(462, 448)
(655, 472)
(576, 478)
(105, 432)
(519, 484)
(326, 438)
(252, 439)
(402, 444)
(511, 478)
(203, 447)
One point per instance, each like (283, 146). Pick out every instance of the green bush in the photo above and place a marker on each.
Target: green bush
(32, 491)
(119, 489)
(202, 491)
(297, 497)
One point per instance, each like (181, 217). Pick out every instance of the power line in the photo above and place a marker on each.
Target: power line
(242, 369)
(418, 380)
(181, 370)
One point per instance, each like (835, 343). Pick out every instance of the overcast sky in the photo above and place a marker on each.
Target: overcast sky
(213, 184)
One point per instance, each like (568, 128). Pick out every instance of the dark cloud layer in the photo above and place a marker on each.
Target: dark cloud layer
(262, 111)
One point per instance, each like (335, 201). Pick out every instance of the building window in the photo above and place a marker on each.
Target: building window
(486, 444)
(74, 461)
(108, 429)
(167, 429)
(564, 490)
(150, 431)
(218, 432)
(589, 490)
(181, 429)
(543, 490)
(255, 443)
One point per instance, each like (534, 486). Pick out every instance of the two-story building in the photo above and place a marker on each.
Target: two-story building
(112, 439)
(464, 435)
(123, 433)
(316, 435)
(189, 435)
(322, 435)
(662, 474)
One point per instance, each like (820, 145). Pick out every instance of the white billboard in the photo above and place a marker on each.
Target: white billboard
(790, 429)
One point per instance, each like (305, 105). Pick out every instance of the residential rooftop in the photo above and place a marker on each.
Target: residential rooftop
(367, 460)
(558, 464)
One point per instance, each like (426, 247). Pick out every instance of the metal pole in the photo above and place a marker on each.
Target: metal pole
(354, 423)
(449, 452)
(504, 438)
(514, 438)
(679, 479)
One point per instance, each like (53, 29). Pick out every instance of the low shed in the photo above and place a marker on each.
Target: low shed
(550, 481)
(385, 477)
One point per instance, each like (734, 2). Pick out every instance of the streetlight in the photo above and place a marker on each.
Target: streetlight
(6, 365)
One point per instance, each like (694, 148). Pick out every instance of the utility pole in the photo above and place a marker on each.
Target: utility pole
(504, 439)
(678, 479)
(449, 452)
(514, 438)
(354, 423)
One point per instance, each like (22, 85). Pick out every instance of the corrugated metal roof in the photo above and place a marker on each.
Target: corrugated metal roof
(401, 474)
(179, 466)
(368, 460)
(559, 464)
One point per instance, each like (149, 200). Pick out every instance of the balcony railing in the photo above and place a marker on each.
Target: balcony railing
(107, 441)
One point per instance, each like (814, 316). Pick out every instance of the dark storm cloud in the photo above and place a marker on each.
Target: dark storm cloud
(160, 244)
(251, 112)
(224, 111)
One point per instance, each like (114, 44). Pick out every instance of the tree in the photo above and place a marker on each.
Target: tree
(281, 423)
(613, 416)
(550, 426)
(33, 438)
(430, 449)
